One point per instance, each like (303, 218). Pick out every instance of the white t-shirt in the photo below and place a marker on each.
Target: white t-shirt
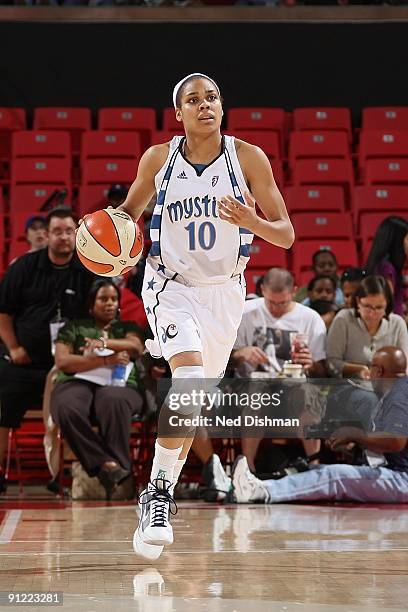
(259, 328)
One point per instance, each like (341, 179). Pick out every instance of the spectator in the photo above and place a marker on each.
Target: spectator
(117, 195)
(339, 482)
(327, 310)
(349, 282)
(264, 334)
(263, 339)
(77, 399)
(356, 333)
(36, 233)
(39, 288)
(388, 255)
(324, 263)
(321, 287)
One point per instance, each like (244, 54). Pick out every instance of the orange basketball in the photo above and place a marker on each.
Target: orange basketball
(109, 242)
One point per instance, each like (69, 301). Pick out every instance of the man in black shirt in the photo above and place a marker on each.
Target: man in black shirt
(42, 287)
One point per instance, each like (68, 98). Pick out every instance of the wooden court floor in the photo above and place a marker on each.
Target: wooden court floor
(303, 558)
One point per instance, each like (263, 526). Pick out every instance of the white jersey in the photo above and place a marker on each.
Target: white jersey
(188, 237)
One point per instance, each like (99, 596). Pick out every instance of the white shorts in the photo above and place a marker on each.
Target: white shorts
(200, 318)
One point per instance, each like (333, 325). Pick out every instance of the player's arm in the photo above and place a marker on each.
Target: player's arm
(276, 228)
(143, 187)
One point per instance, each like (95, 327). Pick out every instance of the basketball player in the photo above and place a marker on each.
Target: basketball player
(194, 290)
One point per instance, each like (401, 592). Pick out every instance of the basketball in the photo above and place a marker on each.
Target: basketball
(109, 242)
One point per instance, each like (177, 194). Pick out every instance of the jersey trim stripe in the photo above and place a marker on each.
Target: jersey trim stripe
(155, 226)
(245, 235)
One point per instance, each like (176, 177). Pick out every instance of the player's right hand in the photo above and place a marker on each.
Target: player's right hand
(252, 355)
(19, 356)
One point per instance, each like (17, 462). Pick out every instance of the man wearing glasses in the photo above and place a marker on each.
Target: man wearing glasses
(37, 293)
(265, 340)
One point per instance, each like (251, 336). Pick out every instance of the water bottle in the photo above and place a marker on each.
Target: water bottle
(119, 376)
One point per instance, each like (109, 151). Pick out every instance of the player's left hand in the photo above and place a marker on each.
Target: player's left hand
(232, 210)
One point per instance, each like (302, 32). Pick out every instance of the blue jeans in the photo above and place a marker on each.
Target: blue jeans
(340, 482)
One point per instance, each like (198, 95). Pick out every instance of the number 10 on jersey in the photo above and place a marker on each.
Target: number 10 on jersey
(203, 232)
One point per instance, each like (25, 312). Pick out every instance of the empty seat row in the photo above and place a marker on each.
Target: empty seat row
(243, 118)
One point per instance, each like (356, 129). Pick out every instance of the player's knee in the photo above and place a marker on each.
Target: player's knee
(187, 391)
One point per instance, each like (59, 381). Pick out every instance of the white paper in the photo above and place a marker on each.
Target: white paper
(54, 329)
(103, 375)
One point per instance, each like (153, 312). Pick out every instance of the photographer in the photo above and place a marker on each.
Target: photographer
(384, 479)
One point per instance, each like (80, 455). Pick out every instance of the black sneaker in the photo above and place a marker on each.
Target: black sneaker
(216, 482)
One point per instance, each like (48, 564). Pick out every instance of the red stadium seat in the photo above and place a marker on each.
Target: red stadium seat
(16, 249)
(32, 197)
(109, 145)
(91, 198)
(382, 198)
(75, 120)
(252, 276)
(170, 123)
(322, 225)
(127, 119)
(248, 118)
(11, 119)
(371, 221)
(385, 118)
(318, 145)
(266, 255)
(137, 119)
(267, 140)
(382, 144)
(324, 172)
(314, 199)
(40, 144)
(386, 172)
(108, 172)
(28, 170)
(303, 250)
(322, 118)
(161, 136)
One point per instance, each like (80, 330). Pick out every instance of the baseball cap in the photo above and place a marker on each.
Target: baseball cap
(37, 221)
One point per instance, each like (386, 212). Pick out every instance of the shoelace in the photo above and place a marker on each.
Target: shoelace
(161, 497)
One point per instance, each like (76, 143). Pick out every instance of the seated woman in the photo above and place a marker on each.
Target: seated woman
(77, 403)
(357, 333)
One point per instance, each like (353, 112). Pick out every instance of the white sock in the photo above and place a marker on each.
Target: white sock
(164, 462)
(177, 470)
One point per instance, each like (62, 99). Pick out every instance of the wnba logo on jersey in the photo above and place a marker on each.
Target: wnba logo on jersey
(214, 180)
(193, 207)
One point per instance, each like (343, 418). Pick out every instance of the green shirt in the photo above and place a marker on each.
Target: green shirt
(74, 333)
